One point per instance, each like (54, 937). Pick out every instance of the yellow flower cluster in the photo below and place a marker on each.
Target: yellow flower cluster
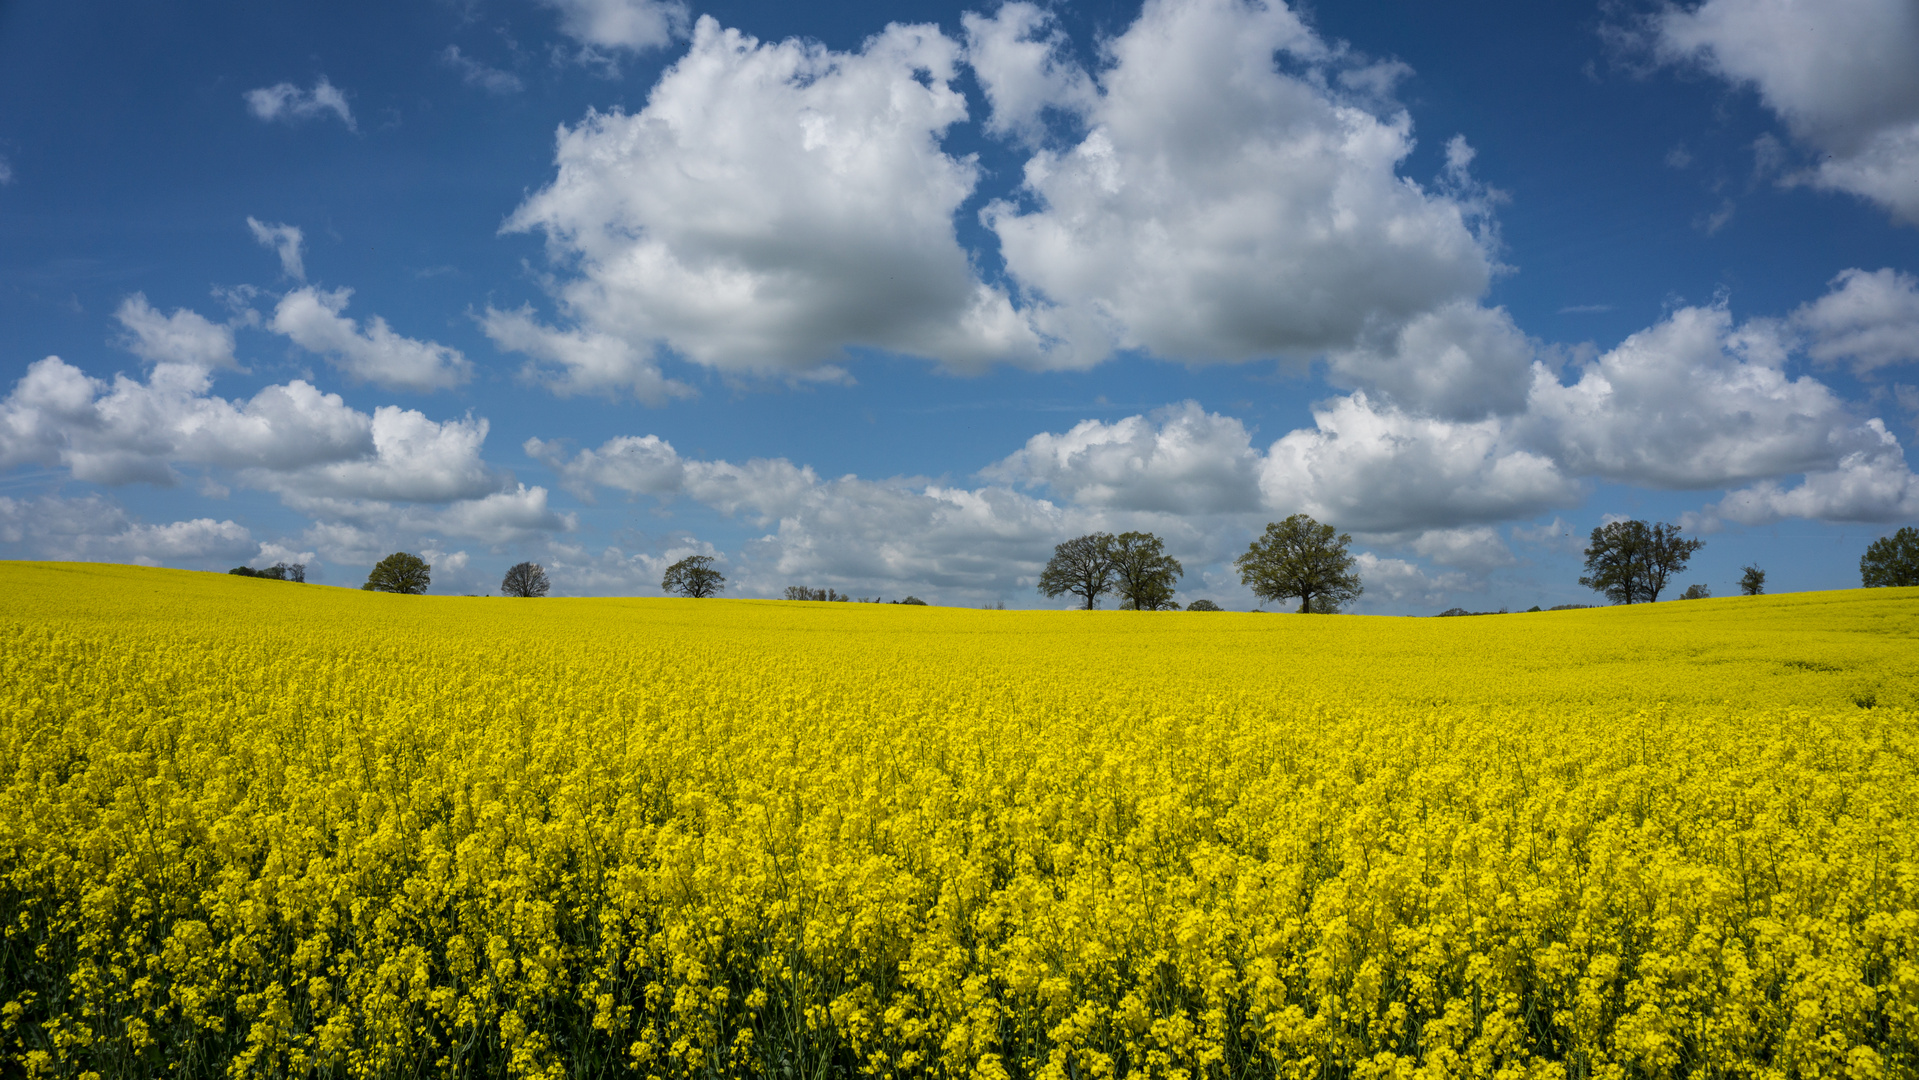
(249, 828)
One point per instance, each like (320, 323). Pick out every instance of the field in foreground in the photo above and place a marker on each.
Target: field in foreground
(255, 828)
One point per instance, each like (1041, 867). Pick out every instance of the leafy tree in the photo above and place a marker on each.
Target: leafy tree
(277, 572)
(1144, 576)
(1082, 566)
(694, 577)
(801, 592)
(1752, 582)
(1203, 605)
(1631, 561)
(525, 579)
(913, 600)
(1300, 557)
(399, 572)
(1696, 592)
(1892, 560)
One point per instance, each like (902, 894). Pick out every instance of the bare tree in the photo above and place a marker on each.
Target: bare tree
(400, 572)
(1144, 576)
(693, 577)
(1082, 566)
(525, 579)
(1300, 557)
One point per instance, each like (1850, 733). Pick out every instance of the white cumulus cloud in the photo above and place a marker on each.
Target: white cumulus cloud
(91, 528)
(1225, 204)
(127, 430)
(581, 361)
(412, 459)
(1873, 483)
(184, 337)
(1477, 548)
(292, 439)
(283, 240)
(621, 24)
(285, 101)
(1842, 74)
(1403, 582)
(1692, 402)
(1023, 63)
(1870, 320)
(773, 204)
(312, 318)
(1375, 467)
(1181, 459)
(965, 545)
(1459, 361)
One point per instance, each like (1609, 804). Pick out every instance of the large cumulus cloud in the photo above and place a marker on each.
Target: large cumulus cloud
(1842, 74)
(1225, 187)
(1236, 195)
(773, 204)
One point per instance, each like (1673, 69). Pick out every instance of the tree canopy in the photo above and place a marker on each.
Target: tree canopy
(1891, 560)
(525, 579)
(1082, 566)
(400, 572)
(277, 572)
(803, 592)
(1144, 576)
(693, 577)
(1631, 561)
(1300, 557)
(1752, 581)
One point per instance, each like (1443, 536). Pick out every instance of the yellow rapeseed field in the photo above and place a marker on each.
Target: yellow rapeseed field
(251, 828)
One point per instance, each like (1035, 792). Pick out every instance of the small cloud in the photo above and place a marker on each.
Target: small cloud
(1679, 157)
(1715, 221)
(286, 241)
(313, 320)
(6, 172)
(285, 101)
(1585, 309)
(631, 25)
(474, 73)
(1768, 157)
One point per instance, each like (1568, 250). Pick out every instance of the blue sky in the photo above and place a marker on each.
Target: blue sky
(891, 299)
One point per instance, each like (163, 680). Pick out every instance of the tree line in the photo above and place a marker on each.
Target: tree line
(1629, 562)
(279, 571)
(1296, 558)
